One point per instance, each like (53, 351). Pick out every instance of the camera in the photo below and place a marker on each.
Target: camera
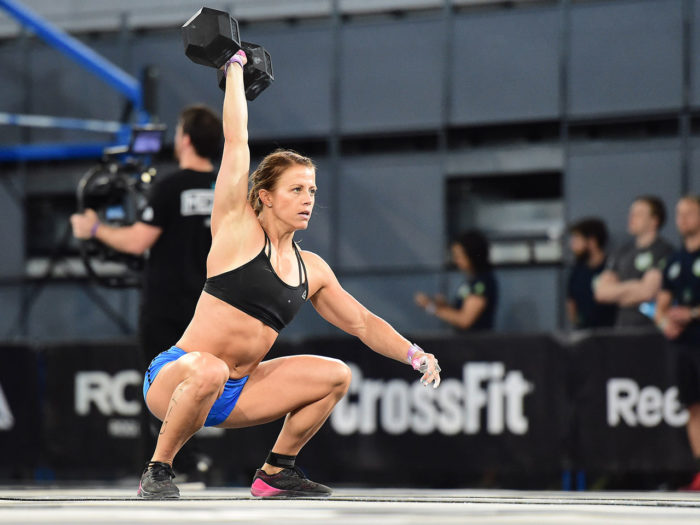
(117, 189)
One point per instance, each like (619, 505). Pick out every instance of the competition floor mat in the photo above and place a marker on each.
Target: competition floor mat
(112, 505)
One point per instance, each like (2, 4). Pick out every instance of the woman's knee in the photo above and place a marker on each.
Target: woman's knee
(207, 373)
(340, 377)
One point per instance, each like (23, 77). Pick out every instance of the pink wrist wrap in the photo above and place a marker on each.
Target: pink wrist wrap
(415, 362)
(237, 58)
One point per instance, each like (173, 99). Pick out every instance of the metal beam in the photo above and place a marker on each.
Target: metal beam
(33, 152)
(48, 121)
(79, 52)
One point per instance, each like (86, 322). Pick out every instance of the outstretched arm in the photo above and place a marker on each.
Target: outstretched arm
(134, 239)
(341, 309)
(231, 192)
(463, 318)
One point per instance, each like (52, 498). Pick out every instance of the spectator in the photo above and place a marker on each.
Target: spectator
(678, 316)
(633, 275)
(475, 305)
(587, 242)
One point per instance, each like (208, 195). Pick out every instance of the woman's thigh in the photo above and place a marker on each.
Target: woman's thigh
(204, 366)
(279, 386)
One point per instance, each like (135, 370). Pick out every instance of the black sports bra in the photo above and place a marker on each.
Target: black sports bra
(257, 290)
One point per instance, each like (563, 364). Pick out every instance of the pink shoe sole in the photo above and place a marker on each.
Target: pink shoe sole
(260, 489)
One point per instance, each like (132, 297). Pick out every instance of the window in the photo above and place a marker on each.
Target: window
(521, 214)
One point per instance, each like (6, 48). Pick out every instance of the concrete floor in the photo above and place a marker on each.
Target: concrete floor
(112, 505)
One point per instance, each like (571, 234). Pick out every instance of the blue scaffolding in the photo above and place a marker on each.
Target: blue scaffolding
(93, 62)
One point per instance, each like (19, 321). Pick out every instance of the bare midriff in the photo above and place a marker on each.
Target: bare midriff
(238, 339)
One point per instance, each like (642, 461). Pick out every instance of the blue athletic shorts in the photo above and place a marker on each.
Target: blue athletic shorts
(222, 407)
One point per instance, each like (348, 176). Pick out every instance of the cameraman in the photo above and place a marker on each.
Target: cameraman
(174, 226)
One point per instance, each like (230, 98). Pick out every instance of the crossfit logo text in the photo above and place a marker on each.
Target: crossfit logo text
(486, 393)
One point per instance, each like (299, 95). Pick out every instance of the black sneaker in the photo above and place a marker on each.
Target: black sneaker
(157, 482)
(287, 483)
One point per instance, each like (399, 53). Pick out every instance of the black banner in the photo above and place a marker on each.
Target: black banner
(507, 406)
(499, 408)
(628, 417)
(92, 409)
(20, 415)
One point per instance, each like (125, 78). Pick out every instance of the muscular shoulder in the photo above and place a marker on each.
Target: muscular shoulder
(314, 262)
(236, 228)
(319, 272)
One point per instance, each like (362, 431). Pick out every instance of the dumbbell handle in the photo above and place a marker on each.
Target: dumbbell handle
(257, 73)
(235, 58)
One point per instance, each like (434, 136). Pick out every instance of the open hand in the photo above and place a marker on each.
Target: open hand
(427, 364)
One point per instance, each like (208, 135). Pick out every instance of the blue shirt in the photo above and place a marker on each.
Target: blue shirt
(589, 312)
(682, 279)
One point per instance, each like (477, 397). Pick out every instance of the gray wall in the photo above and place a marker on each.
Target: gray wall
(626, 57)
(380, 218)
(602, 180)
(506, 66)
(382, 222)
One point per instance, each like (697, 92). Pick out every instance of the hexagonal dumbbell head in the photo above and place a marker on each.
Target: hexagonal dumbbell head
(257, 74)
(211, 37)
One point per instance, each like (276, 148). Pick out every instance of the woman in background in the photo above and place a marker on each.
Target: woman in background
(474, 306)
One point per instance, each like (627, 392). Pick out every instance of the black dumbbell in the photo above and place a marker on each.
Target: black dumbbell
(211, 37)
(257, 74)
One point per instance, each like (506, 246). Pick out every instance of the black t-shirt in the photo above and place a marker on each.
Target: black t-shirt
(589, 312)
(632, 262)
(682, 279)
(176, 269)
(483, 285)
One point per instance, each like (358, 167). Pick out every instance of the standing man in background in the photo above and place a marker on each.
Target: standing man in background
(174, 229)
(588, 238)
(633, 275)
(678, 317)
(174, 226)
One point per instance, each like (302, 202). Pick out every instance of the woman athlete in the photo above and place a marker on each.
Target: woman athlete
(257, 280)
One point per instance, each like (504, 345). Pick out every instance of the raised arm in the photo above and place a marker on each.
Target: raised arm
(231, 192)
